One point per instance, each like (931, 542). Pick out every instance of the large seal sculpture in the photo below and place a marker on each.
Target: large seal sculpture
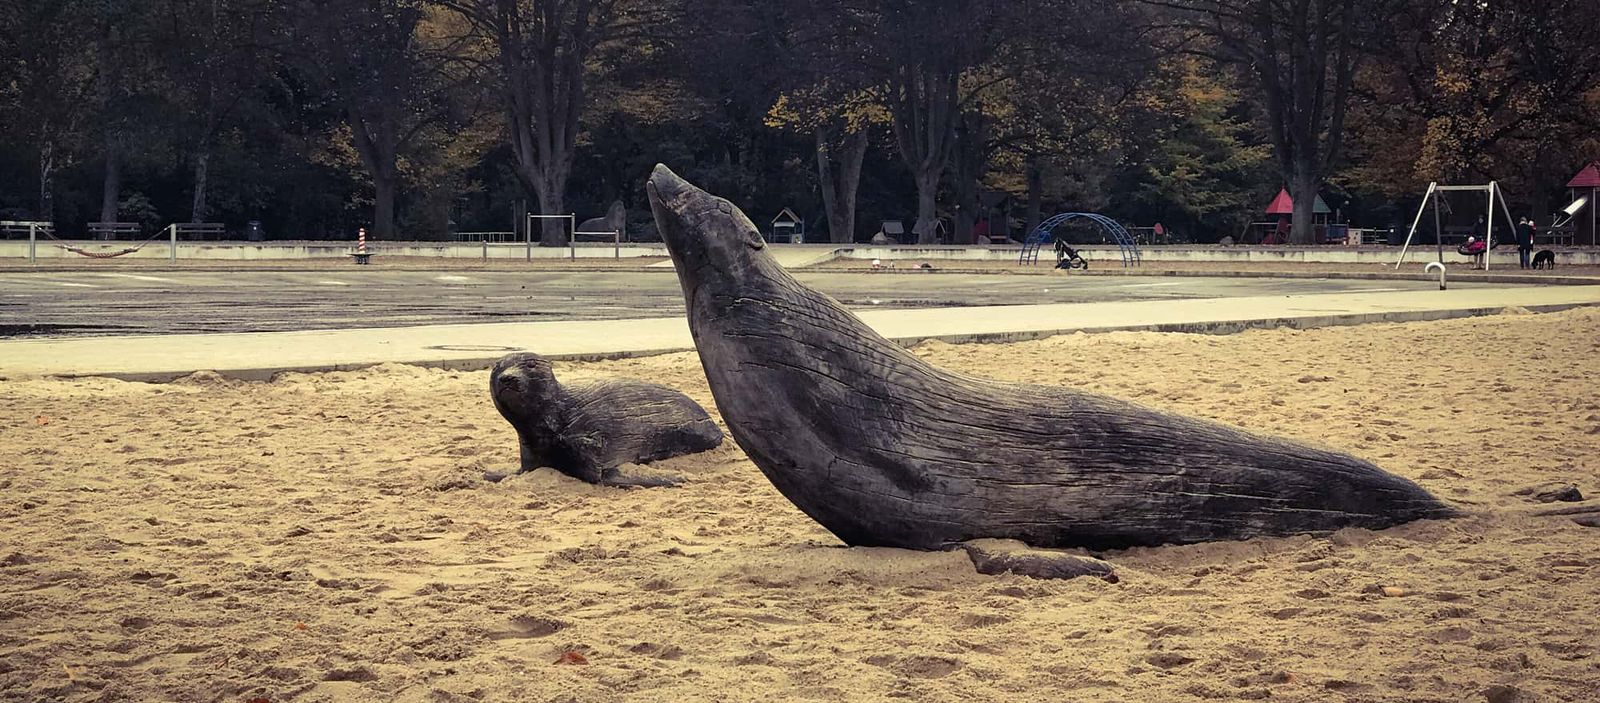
(588, 430)
(884, 449)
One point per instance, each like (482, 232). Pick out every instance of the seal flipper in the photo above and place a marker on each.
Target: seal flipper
(994, 556)
(529, 461)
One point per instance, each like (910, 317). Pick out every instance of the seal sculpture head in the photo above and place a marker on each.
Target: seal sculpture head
(884, 449)
(711, 242)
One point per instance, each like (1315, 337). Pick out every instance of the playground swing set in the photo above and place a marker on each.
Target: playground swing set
(1480, 250)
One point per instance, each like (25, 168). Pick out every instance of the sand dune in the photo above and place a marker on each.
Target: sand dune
(326, 537)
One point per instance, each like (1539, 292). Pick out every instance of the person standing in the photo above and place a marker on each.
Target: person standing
(1524, 241)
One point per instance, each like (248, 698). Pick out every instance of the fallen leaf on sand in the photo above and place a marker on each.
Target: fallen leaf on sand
(41, 420)
(299, 626)
(572, 658)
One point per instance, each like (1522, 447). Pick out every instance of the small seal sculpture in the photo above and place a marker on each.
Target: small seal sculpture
(884, 449)
(588, 430)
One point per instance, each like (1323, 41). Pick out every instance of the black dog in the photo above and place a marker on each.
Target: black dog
(1544, 260)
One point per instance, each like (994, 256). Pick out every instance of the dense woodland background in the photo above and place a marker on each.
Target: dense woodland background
(419, 118)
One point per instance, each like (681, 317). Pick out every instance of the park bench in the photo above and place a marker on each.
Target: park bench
(199, 231)
(112, 230)
(1553, 237)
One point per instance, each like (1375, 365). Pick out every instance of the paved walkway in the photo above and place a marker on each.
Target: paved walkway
(259, 355)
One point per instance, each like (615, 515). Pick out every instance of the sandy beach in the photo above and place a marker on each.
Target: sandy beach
(328, 537)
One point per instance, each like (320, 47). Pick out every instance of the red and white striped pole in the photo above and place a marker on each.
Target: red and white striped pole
(361, 240)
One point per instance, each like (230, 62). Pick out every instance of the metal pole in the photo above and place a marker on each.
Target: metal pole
(1438, 230)
(1414, 222)
(33, 243)
(173, 230)
(616, 244)
(528, 239)
(1505, 210)
(1488, 227)
(485, 240)
(1436, 265)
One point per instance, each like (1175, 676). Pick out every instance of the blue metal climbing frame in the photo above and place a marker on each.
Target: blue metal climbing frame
(1045, 232)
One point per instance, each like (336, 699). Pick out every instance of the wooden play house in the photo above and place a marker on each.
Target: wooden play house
(788, 228)
(1576, 223)
(1276, 230)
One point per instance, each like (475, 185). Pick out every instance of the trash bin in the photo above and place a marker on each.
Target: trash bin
(253, 231)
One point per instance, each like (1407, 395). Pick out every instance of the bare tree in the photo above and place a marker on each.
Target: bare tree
(212, 60)
(51, 72)
(542, 50)
(391, 83)
(1301, 56)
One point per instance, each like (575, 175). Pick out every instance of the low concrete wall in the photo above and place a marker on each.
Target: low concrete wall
(1211, 253)
(264, 251)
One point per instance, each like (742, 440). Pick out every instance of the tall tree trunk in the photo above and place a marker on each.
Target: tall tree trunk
(927, 227)
(839, 188)
(384, 185)
(1306, 183)
(202, 162)
(202, 156)
(1035, 195)
(112, 191)
(47, 181)
(969, 170)
(552, 193)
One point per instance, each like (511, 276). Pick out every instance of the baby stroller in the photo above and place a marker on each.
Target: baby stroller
(1068, 258)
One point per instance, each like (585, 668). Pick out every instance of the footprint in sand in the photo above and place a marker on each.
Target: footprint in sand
(522, 627)
(972, 621)
(917, 666)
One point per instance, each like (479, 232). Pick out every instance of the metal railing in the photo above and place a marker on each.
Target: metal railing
(489, 237)
(34, 229)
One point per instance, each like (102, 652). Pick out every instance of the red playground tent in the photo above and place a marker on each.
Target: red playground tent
(1277, 230)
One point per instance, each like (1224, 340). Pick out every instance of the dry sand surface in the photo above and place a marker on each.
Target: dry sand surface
(326, 537)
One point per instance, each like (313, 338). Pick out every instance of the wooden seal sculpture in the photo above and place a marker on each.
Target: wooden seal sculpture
(884, 449)
(587, 430)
